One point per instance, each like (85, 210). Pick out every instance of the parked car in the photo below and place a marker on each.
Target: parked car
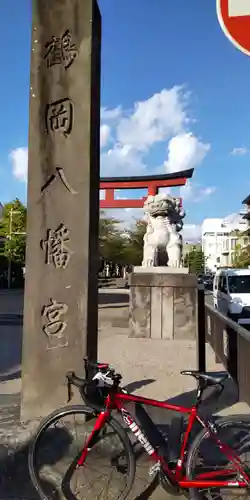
(231, 294)
(206, 280)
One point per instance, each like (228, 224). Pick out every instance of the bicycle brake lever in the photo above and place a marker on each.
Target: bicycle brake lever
(70, 392)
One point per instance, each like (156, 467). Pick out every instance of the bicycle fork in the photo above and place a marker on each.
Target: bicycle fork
(92, 440)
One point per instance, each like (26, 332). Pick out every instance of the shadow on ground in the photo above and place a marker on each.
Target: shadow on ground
(12, 374)
(55, 460)
(11, 333)
(11, 350)
(113, 298)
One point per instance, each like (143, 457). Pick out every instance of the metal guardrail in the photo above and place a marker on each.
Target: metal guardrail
(230, 342)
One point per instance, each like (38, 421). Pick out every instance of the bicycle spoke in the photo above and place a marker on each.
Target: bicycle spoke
(208, 457)
(104, 473)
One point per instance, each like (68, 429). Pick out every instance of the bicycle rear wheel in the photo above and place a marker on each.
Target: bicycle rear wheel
(108, 471)
(205, 456)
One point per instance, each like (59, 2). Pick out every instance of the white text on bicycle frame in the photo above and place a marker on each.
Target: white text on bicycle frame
(137, 431)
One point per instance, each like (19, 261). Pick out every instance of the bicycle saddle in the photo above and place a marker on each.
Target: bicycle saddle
(210, 379)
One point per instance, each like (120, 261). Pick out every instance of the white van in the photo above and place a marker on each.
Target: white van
(231, 294)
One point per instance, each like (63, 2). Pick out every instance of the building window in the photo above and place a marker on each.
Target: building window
(233, 244)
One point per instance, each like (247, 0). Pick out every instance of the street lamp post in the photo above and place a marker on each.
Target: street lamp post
(11, 213)
(9, 256)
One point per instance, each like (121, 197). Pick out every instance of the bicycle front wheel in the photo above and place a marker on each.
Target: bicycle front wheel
(108, 471)
(205, 456)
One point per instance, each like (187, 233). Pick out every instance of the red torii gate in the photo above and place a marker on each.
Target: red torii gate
(152, 183)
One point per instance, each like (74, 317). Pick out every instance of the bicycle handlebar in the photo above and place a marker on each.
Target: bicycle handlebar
(72, 379)
(83, 383)
(97, 365)
(75, 380)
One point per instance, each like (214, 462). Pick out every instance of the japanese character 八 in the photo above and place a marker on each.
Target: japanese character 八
(60, 50)
(56, 247)
(58, 173)
(59, 116)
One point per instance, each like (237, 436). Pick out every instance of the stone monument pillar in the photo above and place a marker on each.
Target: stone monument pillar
(163, 296)
(61, 285)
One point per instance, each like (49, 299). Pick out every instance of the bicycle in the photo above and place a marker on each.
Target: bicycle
(177, 461)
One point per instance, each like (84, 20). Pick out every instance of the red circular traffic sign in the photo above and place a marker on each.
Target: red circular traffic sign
(234, 18)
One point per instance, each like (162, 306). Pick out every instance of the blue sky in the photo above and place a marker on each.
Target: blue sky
(191, 83)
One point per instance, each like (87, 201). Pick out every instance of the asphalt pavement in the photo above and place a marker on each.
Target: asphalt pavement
(113, 315)
(209, 297)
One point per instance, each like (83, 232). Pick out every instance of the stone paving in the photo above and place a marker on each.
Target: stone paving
(150, 368)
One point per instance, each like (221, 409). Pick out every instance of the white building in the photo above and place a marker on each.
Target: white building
(218, 242)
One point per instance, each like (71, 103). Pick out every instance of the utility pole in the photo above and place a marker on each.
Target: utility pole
(10, 233)
(9, 252)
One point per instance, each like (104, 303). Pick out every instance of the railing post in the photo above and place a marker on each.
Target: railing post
(243, 376)
(201, 337)
(232, 363)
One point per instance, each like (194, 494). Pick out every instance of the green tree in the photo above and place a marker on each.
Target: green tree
(111, 242)
(241, 256)
(195, 261)
(133, 248)
(13, 231)
(120, 245)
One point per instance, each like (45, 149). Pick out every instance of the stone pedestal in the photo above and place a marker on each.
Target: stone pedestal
(163, 304)
(61, 289)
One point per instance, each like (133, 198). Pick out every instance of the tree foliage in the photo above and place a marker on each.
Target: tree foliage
(12, 231)
(123, 246)
(110, 239)
(119, 245)
(133, 251)
(195, 261)
(241, 257)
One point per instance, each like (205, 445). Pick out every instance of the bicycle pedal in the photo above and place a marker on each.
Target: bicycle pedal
(155, 468)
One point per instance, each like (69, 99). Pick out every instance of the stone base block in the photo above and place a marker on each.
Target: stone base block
(163, 306)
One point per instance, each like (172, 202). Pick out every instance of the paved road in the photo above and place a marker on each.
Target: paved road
(113, 318)
(113, 310)
(209, 298)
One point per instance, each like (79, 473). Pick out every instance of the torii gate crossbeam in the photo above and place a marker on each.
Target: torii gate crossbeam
(151, 183)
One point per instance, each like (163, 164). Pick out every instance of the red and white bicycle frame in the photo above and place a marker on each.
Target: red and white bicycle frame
(116, 400)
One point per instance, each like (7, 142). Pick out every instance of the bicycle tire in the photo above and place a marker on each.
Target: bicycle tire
(201, 436)
(89, 412)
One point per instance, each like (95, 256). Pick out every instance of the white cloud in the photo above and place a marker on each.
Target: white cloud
(185, 151)
(19, 163)
(239, 151)
(166, 190)
(192, 192)
(186, 192)
(155, 119)
(126, 216)
(208, 191)
(191, 233)
(111, 114)
(105, 134)
(163, 117)
(122, 160)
